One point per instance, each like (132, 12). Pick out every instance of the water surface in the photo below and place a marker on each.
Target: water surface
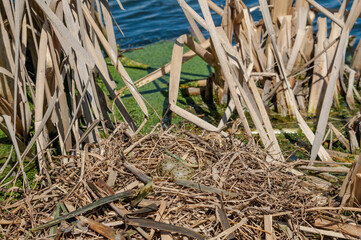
(146, 22)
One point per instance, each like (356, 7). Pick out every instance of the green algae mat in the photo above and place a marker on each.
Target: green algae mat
(155, 93)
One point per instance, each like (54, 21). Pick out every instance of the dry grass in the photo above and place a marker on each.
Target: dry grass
(257, 188)
(51, 68)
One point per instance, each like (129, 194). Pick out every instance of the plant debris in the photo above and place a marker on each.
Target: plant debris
(233, 185)
(177, 182)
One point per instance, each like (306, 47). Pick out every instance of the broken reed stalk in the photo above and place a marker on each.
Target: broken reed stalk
(67, 54)
(320, 79)
(337, 63)
(89, 207)
(66, 57)
(279, 34)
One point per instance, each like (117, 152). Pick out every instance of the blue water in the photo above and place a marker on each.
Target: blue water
(146, 22)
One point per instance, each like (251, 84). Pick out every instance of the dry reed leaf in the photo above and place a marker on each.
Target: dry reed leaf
(17, 151)
(349, 95)
(223, 61)
(325, 110)
(39, 97)
(51, 60)
(113, 57)
(300, 35)
(108, 25)
(320, 231)
(334, 224)
(253, 101)
(319, 78)
(197, 32)
(40, 125)
(6, 72)
(64, 35)
(231, 229)
(356, 59)
(166, 68)
(326, 12)
(215, 7)
(242, 165)
(324, 156)
(186, 8)
(69, 56)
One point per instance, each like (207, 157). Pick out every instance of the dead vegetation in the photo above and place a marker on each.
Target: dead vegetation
(52, 67)
(233, 185)
(276, 58)
(51, 70)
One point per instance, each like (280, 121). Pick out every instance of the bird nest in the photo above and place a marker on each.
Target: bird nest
(232, 193)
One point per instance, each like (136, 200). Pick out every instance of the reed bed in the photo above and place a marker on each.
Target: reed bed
(52, 68)
(278, 64)
(52, 71)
